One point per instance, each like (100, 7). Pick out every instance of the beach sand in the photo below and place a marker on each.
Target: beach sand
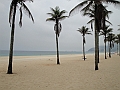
(42, 73)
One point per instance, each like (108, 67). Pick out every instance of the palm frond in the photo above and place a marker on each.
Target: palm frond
(87, 7)
(20, 22)
(77, 8)
(115, 2)
(53, 10)
(118, 35)
(88, 14)
(50, 19)
(62, 17)
(51, 14)
(116, 41)
(102, 33)
(91, 21)
(89, 33)
(27, 11)
(62, 12)
(11, 12)
(79, 30)
(108, 22)
(107, 13)
(28, 0)
(110, 29)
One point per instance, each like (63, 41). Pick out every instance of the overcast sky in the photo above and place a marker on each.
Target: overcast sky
(40, 35)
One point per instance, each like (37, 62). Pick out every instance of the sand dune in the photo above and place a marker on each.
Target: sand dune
(42, 73)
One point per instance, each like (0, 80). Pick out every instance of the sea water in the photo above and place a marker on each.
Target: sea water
(37, 53)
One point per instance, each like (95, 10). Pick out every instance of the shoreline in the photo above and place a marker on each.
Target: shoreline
(41, 53)
(36, 53)
(48, 57)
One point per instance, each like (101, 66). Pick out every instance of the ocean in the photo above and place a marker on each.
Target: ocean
(37, 53)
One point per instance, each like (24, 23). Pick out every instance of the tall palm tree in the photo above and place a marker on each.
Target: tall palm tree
(12, 14)
(119, 43)
(57, 16)
(98, 18)
(104, 32)
(84, 31)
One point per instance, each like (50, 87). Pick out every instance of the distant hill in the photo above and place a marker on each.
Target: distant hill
(102, 49)
(92, 49)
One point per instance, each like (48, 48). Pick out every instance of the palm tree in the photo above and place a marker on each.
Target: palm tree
(98, 18)
(110, 38)
(57, 16)
(12, 14)
(104, 32)
(84, 31)
(119, 43)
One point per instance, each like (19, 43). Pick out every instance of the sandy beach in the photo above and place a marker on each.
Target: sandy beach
(42, 73)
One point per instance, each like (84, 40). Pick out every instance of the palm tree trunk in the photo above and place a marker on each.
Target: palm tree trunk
(57, 49)
(98, 46)
(57, 43)
(9, 71)
(83, 50)
(119, 48)
(96, 50)
(105, 47)
(110, 50)
(96, 40)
